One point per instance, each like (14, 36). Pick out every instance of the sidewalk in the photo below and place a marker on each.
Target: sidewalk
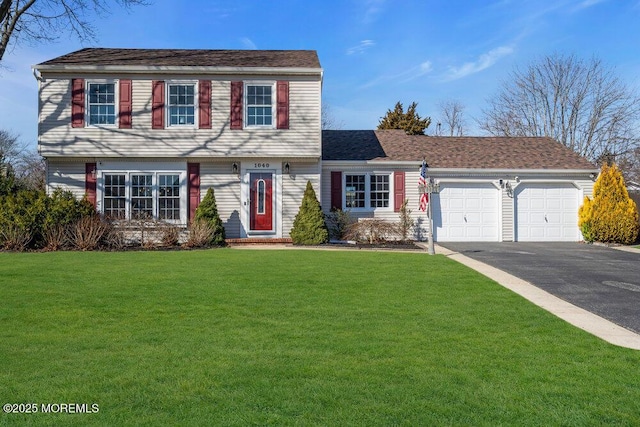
(576, 316)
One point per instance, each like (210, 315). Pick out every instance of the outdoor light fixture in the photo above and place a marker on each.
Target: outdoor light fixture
(234, 168)
(592, 176)
(509, 189)
(287, 168)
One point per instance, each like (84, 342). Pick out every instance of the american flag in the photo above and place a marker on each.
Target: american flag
(422, 182)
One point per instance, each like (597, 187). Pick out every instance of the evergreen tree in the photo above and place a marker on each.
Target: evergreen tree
(208, 211)
(7, 178)
(309, 227)
(410, 122)
(611, 216)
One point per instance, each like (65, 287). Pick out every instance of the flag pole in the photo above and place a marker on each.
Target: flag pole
(431, 248)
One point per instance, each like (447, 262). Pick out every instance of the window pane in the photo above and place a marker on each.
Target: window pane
(354, 191)
(169, 197)
(181, 105)
(259, 106)
(102, 109)
(379, 196)
(114, 196)
(141, 196)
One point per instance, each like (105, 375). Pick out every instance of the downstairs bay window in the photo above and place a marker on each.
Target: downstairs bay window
(366, 191)
(144, 195)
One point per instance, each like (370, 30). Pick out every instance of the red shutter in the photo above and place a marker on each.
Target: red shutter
(157, 105)
(193, 183)
(336, 190)
(125, 104)
(236, 105)
(283, 104)
(77, 103)
(90, 182)
(204, 104)
(398, 190)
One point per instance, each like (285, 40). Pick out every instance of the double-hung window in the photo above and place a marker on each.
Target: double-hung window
(101, 103)
(143, 195)
(366, 191)
(181, 104)
(259, 105)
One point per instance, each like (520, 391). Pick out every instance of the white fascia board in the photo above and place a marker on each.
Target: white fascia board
(456, 171)
(146, 69)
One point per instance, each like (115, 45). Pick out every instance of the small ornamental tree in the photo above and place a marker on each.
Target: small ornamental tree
(611, 216)
(309, 227)
(208, 211)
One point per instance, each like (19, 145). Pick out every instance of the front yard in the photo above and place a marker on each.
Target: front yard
(242, 337)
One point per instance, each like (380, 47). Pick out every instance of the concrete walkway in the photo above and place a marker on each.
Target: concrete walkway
(576, 316)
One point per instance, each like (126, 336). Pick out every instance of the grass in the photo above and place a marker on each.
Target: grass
(239, 337)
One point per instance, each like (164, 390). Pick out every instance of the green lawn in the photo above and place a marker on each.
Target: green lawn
(258, 337)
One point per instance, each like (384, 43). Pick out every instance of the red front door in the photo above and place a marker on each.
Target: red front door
(261, 203)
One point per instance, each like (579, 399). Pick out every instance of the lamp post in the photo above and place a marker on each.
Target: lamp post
(430, 188)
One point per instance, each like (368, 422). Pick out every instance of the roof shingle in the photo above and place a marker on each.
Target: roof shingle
(452, 152)
(189, 57)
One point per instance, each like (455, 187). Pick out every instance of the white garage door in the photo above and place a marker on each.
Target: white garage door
(465, 212)
(547, 213)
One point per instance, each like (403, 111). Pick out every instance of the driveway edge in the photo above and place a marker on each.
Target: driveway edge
(583, 319)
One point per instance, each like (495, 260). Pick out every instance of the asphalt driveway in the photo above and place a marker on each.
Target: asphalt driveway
(601, 280)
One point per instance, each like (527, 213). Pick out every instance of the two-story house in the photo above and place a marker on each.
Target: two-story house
(145, 132)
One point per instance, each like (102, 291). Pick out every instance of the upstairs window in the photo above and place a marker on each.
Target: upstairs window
(182, 104)
(102, 103)
(259, 105)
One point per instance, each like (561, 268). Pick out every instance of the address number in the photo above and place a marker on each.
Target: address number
(261, 165)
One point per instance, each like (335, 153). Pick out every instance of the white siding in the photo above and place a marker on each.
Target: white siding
(411, 194)
(226, 187)
(58, 138)
(293, 186)
(68, 176)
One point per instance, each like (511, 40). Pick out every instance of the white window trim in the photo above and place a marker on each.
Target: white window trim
(274, 103)
(196, 104)
(367, 191)
(116, 101)
(155, 193)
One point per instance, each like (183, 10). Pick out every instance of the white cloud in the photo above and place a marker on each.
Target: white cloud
(374, 8)
(587, 3)
(484, 61)
(412, 73)
(361, 47)
(248, 43)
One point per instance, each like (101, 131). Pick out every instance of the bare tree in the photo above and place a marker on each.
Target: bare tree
(452, 118)
(46, 20)
(329, 122)
(582, 104)
(26, 167)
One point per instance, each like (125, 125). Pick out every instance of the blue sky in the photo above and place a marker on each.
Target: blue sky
(373, 52)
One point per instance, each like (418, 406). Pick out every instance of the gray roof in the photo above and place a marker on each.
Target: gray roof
(189, 57)
(452, 152)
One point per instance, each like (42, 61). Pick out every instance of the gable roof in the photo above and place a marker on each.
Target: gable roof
(187, 58)
(451, 152)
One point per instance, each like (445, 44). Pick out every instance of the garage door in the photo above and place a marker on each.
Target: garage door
(547, 213)
(466, 213)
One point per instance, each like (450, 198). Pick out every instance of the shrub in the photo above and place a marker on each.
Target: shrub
(611, 216)
(170, 235)
(13, 237)
(200, 234)
(371, 231)
(55, 237)
(338, 222)
(405, 223)
(27, 211)
(87, 233)
(309, 227)
(208, 211)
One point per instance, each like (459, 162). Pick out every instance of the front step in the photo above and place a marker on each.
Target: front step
(258, 241)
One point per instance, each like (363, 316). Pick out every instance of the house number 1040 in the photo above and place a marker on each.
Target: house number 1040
(261, 165)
